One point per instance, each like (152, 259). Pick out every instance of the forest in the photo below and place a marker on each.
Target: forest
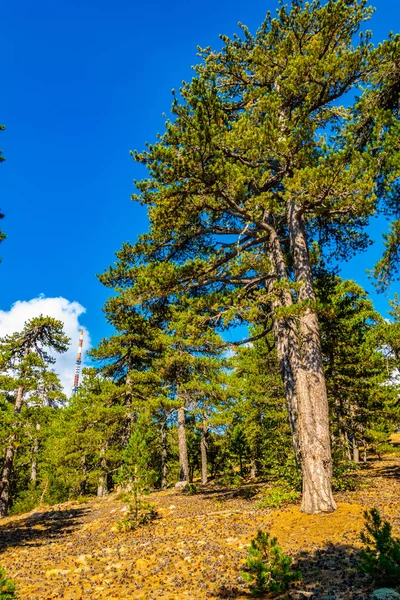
(239, 356)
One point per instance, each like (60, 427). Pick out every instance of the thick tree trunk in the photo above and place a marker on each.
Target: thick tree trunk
(9, 460)
(203, 448)
(316, 458)
(164, 455)
(183, 456)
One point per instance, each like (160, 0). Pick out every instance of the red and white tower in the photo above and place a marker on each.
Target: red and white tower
(78, 364)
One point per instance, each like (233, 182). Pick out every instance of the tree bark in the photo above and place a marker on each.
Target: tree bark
(35, 451)
(82, 483)
(164, 454)
(315, 447)
(102, 485)
(365, 451)
(356, 451)
(9, 460)
(346, 444)
(203, 448)
(183, 456)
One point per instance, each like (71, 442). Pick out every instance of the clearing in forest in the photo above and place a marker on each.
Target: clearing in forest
(197, 546)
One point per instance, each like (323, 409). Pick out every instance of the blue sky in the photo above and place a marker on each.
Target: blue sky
(83, 82)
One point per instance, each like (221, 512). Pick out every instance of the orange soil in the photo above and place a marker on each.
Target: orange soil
(194, 550)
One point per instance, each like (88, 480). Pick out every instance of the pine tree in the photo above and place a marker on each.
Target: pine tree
(166, 358)
(85, 445)
(259, 163)
(261, 407)
(26, 354)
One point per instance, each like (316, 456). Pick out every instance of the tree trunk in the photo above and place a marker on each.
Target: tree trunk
(102, 485)
(315, 447)
(254, 467)
(9, 460)
(131, 416)
(5, 480)
(203, 448)
(356, 451)
(183, 456)
(82, 483)
(346, 444)
(286, 339)
(164, 454)
(35, 451)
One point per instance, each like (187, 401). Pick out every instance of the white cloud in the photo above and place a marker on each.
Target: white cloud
(58, 308)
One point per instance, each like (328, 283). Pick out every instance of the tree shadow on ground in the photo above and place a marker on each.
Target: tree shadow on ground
(225, 492)
(329, 573)
(390, 471)
(40, 528)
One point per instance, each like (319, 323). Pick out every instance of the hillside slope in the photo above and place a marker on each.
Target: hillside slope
(196, 547)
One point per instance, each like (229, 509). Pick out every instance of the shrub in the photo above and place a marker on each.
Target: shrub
(344, 475)
(268, 569)
(381, 558)
(277, 497)
(139, 513)
(138, 478)
(190, 489)
(7, 587)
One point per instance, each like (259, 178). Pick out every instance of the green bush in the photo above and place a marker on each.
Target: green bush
(139, 513)
(230, 478)
(344, 475)
(138, 478)
(268, 569)
(190, 489)
(277, 497)
(7, 587)
(381, 558)
(286, 473)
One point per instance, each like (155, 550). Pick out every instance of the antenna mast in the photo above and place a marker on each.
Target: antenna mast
(78, 364)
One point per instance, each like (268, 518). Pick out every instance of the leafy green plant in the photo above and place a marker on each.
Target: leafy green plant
(381, 558)
(7, 587)
(277, 497)
(268, 569)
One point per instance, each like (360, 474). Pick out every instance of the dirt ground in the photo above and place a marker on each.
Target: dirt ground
(197, 546)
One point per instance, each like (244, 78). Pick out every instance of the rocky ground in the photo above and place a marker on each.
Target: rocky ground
(195, 549)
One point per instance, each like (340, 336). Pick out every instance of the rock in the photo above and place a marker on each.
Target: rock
(182, 485)
(55, 572)
(384, 594)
